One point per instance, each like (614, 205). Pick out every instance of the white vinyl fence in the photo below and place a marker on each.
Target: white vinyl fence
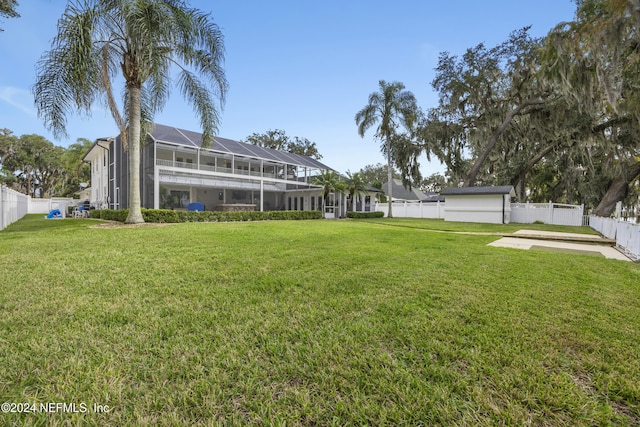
(524, 213)
(412, 209)
(548, 213)
(15, 205)
(627, 234)
(44, 206)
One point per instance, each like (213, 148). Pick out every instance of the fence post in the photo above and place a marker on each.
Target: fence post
(1, 207)
(618, 212)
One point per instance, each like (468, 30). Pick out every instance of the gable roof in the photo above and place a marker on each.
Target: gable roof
(173, 135)
(433, 197)
(402, 193)
(505, 189)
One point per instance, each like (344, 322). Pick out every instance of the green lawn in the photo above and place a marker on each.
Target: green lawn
(441, 225)
(312, 323)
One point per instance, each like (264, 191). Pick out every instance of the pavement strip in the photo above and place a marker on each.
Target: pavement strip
(570, 242)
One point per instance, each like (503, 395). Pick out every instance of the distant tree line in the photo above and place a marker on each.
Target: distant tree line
(34, 166)
(279, 140)
(557, 117)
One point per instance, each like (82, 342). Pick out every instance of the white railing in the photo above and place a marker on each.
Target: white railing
(548, 213)
(412, 209)
(222, 169)
(15, 205)
(626, 234)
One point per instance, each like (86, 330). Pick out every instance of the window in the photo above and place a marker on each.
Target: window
(301, 203)
(313, 203)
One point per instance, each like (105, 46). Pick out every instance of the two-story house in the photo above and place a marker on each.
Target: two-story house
(229, 175)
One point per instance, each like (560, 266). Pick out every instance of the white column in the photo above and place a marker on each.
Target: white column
(156, 187)
(262, 195)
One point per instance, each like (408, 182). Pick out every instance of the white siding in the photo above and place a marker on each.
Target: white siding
(485, 208)
(100, 179)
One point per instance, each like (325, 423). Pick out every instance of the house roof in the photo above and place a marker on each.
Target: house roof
(96, 143)
(433, 197)
(399, 192)
(505, 189)
(173, 135)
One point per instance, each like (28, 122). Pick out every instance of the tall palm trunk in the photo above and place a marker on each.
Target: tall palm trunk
(133, 135)
(389, 176)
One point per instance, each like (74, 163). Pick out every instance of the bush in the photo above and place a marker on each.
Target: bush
(171, 216)
(365, 214)
(110, 214)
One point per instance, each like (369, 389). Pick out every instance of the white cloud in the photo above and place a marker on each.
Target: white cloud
(18, 98)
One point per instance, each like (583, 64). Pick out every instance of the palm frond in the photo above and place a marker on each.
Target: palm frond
(69, 74)
(196, 93)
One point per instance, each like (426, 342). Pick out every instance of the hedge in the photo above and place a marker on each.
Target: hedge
(166, 215)
(365, 214)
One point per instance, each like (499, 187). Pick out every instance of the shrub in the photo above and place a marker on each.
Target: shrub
(110, 214)
(171, 216)
(365, 214)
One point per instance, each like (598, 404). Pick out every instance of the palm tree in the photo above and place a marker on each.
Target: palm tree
(391, 107)
(355, 187)
(144, 40)
(330, 182)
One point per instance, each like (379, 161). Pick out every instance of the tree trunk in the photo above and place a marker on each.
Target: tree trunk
(470, 179)
(389, 176)
(520, 177)
(617, 191)
(135, 213)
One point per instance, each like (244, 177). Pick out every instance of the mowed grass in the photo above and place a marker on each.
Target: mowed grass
(312, 323)
(469, 227)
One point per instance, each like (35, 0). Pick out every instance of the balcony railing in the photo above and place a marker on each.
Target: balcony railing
(222, 169)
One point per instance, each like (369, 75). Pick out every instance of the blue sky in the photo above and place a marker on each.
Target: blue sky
(302, 66)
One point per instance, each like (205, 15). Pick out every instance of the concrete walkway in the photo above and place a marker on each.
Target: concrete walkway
(569, 242)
